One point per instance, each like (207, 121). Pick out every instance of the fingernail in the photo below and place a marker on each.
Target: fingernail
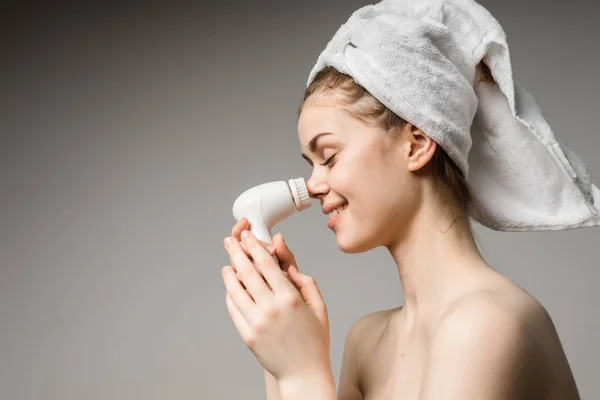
(245, 234)
(270, 247)
(227, 241)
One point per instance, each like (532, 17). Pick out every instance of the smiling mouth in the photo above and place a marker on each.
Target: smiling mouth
(334, 216)
(337, 211)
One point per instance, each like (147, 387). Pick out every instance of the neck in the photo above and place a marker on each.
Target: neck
(434, 256)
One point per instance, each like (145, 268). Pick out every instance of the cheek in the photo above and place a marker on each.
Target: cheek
(379, 189)
(373, 174)
(366, 183)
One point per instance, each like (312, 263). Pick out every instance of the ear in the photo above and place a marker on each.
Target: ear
(420, 148)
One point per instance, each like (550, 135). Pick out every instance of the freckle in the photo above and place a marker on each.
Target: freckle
(402, 354)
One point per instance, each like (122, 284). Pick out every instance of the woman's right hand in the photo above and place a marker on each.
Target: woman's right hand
(286, 258)
(278, 248)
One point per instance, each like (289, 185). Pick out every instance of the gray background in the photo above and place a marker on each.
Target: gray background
(126, 135)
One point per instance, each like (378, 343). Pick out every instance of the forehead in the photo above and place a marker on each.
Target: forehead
(323, 117)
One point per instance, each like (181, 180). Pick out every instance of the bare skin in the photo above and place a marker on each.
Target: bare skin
(464, 331)
(385, 359)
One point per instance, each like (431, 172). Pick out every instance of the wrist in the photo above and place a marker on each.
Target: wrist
(318, 385)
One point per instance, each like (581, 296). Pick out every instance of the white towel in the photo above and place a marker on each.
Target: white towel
(420, 58)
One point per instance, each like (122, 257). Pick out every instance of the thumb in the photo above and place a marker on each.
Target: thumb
(310, 292)
(285, 255)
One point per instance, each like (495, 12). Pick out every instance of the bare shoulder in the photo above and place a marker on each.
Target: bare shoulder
(503, 324)
(362, 336)
(503, 314)
(371, 325)
(504, 306)
(506, 343)
(365, 333)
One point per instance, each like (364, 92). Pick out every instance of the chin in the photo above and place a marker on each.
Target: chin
(353, 244)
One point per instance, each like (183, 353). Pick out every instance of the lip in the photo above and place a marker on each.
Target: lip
(334, 220)
(329, 208)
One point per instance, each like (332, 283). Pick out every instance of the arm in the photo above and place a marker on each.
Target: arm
(479, 351)
(348, 384)
(318, 385)
(271, 387)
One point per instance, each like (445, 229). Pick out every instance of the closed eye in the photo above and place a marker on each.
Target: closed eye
(329, 160)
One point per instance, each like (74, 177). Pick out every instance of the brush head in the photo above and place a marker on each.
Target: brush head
(299, 193)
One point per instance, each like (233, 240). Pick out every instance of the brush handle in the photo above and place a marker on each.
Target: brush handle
(261, 232)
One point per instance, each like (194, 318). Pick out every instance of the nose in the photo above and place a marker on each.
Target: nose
(317, 187)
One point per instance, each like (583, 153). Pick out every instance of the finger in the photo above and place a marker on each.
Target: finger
(244, 224)
(270, 249)
(238, 319)
(286, 258)
(285, 255)
(310, 291)
(240, 297)
(237, 229)
(268, 246)
(246, 270)
(268, 267)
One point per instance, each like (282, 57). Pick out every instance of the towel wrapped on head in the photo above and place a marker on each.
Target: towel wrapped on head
(444, 66)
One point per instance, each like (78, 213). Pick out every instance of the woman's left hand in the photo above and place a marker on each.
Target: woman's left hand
(283, 321)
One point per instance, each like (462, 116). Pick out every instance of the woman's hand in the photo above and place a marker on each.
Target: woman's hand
(283, 321)
(278, 247)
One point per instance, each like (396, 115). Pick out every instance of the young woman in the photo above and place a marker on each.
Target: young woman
(464, 332)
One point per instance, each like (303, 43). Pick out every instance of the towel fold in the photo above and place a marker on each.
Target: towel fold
(422, 59)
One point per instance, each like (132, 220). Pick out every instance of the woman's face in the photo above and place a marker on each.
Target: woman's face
(368, 173)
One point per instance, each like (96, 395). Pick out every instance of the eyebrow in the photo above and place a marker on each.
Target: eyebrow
(312, 145)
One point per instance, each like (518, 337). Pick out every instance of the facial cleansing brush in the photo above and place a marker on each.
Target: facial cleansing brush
(267, 204)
